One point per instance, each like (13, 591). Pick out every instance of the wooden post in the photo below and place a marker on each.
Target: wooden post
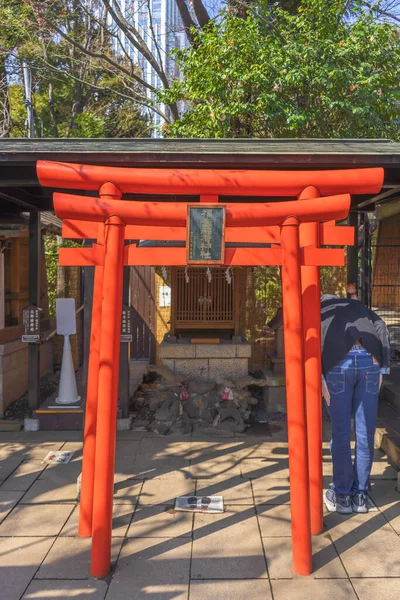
(123, 389)
(311, 292)
(34, 298)
(352, 252)
(107, 396)
(89, 436)
(295, 394)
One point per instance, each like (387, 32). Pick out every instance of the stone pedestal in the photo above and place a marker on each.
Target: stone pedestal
(209, 361)
(274, 392)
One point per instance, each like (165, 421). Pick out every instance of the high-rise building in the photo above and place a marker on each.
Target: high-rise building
(160, 26)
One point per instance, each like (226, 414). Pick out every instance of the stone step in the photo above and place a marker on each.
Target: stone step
(389, 442)
(391, 394)
(10, 425)
(387, 434)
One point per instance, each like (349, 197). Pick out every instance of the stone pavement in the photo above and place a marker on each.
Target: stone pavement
(158, 554)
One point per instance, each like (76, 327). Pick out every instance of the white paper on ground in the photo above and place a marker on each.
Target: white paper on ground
(58, 457)
(204, 504)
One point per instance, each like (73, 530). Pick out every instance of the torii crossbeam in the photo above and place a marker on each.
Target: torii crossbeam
(296, 230)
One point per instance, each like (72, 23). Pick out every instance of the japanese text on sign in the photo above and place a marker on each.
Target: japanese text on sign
(126, 324)
(31, 324)
(206, 233)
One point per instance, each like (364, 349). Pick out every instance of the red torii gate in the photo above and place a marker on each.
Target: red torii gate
(296, 230)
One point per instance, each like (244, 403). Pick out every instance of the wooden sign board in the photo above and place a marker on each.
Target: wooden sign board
(126, 324)
(206, 234)
(31, 324)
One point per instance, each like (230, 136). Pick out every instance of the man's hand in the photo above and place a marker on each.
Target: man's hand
(325, 391)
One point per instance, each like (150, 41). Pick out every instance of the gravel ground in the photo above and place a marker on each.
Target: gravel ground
(18, 409)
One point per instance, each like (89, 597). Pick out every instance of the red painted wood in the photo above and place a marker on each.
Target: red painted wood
(296, 398)
(176, 257)
(209, 181)
(311, 293)
(174, 214)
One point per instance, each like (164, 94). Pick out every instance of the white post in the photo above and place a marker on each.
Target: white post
(66, 326)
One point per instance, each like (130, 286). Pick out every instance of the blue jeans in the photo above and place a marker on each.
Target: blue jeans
(354, 388)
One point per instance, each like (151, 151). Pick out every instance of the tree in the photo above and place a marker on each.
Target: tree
(318, 72)
(74, 94)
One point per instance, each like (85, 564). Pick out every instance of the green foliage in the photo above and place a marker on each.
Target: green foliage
(52, 244)
(268, 293)
(75, 93)
(315, 72)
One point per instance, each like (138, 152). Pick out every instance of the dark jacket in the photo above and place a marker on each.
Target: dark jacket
(343, 323)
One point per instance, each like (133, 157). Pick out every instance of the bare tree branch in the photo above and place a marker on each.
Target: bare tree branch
(136, 40)
(381, 11)
(100, 55)
(201, 13)
(187, 20)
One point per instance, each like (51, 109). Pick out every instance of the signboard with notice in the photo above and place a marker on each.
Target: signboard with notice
(126, 324)
(206, 234)
(31, 324)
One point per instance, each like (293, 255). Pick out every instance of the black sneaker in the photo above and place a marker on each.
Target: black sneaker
(359, 502)
(340, 503)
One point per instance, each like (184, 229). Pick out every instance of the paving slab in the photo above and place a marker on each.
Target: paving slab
(126, 491)
(160, 521)
(62, 474)
(312, 589)
(66, 589)
(127, 448)
(274, 520)
(69, 558)
(48, 491)
(326, 562)
(256, 589)
(381, 469)
(133, 435)
(214, 449)
(367, 544)
(152, 568)
(252, 468)
(20, 559)
(168, 467)
(10, 436)
(28, 450)
(377, 589)
(160, 491)
(162, 448)
(8, 466)
(35, 520)
(224, 466)
(273, 450)
(122, 516)
(234, 490)
(228, 545)
(387, 499)
(7, 502)
(24, 475)
(52, 436)
(271, 490)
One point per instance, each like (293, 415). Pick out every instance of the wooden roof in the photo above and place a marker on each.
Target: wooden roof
(20, 189)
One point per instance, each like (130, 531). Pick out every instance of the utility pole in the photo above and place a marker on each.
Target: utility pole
(28, 97)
